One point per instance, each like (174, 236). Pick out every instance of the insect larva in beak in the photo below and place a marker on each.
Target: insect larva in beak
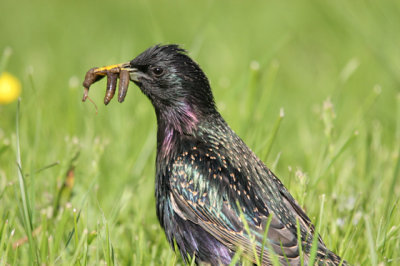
(123, 85)
(111, 86)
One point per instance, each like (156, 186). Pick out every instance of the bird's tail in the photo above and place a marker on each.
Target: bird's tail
(330, 258)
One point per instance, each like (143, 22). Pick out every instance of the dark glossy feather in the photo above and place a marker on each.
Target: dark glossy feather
(213, 173)
(209, 184)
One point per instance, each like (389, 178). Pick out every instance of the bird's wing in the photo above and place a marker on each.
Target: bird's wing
(209, 194)
(292, 205)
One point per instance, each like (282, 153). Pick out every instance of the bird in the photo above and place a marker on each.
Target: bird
(214, 196)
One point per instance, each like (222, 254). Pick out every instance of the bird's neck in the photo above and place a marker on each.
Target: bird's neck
(173, 123)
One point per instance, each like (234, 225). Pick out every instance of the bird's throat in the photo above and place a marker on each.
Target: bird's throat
(174, 122)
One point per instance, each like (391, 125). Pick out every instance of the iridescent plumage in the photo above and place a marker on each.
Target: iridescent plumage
(208, 180)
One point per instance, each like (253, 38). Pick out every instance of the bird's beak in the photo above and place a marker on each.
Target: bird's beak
(133, 72)
(124, 71)
(110, 68)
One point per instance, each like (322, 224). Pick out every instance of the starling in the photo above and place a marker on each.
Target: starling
(214, 196)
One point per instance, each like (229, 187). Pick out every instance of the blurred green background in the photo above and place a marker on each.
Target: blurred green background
(333, 66)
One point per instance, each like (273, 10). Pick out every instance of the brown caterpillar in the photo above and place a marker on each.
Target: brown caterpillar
(112, 72)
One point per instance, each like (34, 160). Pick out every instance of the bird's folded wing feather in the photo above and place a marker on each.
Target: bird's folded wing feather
(292, 204)
(206, 197)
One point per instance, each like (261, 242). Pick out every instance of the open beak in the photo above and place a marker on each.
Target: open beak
(117, 68)
(123, 71)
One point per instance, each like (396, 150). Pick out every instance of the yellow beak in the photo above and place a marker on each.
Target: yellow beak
(111, 68)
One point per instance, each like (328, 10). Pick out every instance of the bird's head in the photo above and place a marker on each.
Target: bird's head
(175, 84)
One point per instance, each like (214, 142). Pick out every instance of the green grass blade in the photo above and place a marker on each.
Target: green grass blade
(267, 147)
(371, 242)
(27, 217)
(300, 243)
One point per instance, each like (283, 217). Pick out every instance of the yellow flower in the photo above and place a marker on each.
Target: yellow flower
(10, 88)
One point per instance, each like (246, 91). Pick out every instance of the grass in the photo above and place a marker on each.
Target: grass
(78, 188)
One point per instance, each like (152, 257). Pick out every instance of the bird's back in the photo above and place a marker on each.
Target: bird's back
(214, 196)
(215, 185)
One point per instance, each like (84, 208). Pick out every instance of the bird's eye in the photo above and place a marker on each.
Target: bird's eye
(157, 71)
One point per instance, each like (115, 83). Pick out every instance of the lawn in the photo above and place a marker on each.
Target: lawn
(313, 87)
